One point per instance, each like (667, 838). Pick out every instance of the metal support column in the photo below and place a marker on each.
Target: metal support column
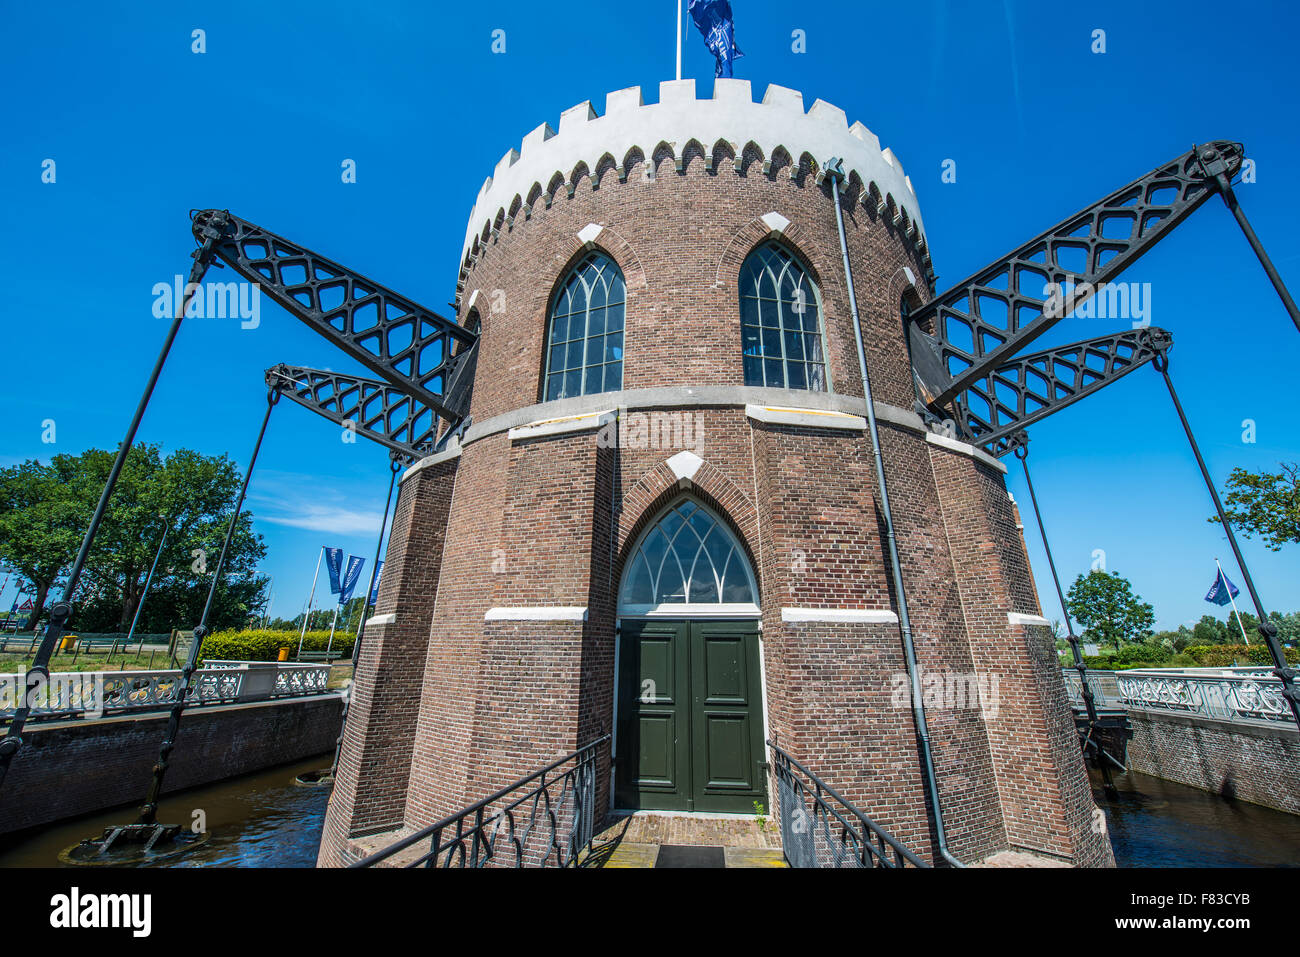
(835, 172)
(1267, 629)
(148, 813)
(1090, 744)
(39, 673)
(1230, 199)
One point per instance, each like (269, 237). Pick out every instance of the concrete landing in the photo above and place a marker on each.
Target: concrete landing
(1019, 859)
(670, 841)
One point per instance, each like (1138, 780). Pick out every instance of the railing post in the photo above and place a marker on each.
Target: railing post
(478, 835)
(437, 842)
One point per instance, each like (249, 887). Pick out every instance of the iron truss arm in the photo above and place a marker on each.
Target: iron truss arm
(376, 410)
(414, 349)
(976, 327)
(996, 410)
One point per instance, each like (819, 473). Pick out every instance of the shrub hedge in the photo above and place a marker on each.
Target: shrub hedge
(1197, 656)
(263, 645)
(1223, 656)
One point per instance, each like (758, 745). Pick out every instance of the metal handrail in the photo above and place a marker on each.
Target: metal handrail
(807, 836)
(1101, 683)
(1247, 694)
(77, 694)
(573, 812)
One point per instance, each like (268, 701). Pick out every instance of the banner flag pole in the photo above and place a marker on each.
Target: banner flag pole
(679, 39)
(1234, 603)
(311, 598)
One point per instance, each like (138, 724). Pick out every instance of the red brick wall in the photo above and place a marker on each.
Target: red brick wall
(1046, 798)
(375, 757)
(524, 530)
(680, 240)
(548, 521)
(1252, 763)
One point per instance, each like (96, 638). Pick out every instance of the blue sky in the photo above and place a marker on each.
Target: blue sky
(142, 129)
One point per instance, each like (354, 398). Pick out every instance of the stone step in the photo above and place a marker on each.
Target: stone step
(649, 839)
(630, 855)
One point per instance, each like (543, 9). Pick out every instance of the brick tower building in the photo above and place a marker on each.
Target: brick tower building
(667, 485)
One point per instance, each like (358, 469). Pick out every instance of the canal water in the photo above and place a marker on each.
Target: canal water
(256, 820)
(265, 820)
(1157, 823)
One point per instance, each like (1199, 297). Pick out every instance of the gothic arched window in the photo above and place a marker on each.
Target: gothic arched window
(780, 321)
(688, 561)
(584, 346)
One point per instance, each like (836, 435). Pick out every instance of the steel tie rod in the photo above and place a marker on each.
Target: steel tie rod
(61, 612)
(1267, 628)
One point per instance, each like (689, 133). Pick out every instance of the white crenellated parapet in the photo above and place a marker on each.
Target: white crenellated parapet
(585, 139)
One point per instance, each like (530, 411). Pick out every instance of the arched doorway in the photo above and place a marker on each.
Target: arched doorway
(689, 699)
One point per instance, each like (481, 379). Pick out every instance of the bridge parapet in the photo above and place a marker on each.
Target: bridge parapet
(1227, 694)
(94, 694)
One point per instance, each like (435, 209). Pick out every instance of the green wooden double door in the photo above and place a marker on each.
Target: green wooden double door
(690, 717)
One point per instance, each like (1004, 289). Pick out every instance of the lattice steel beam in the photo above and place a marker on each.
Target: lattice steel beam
(995, 410)
(407, 345)
(982, 322)
(376, 410)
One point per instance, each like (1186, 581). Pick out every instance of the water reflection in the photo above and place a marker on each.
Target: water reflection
(265, 820)
(1157, 823)
(258, 820)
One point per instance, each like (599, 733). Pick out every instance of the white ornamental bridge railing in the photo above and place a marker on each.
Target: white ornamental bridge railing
(1227, 694)
(95, 694)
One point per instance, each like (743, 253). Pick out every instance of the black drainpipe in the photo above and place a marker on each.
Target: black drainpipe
(835, 172)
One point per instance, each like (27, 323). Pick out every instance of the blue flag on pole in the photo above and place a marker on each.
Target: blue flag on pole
(350, 578)
(1222, 591)
(374, 589)
(334, 562)
(713, 20)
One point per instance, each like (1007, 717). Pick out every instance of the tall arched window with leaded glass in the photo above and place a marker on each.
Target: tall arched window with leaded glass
(584, 350)
(688, 562)
(780, 321)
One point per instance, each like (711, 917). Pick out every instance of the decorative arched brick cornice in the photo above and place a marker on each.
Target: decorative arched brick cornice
(587, 147)
(769, 226)
(900, 282)
(619, 249)
(660, 485)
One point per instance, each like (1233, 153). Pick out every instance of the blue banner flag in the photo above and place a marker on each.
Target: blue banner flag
(713, 20)
(334, 562)
(350, 578)
(374, 589)
(1222, 591)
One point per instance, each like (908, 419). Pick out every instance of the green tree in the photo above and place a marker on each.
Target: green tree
(1174, 640)
(189, 494)
(1209, 631)
(192, 495)
(1105, 605)
(44, 511)
(320, 621)
(1288, 626)
(1266, 504)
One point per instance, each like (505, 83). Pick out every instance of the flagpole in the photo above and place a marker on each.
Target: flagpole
(679, 39)
(270, 597)
(330, 646)
(147, 582)
(311, 598)
(1234, 602)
